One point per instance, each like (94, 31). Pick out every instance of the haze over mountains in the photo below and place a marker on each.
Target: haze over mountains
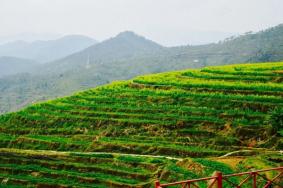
(123, 57)
(13, 65)
(45, 51)
(29, 37)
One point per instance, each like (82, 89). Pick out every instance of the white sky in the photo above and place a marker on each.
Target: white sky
(170, 22)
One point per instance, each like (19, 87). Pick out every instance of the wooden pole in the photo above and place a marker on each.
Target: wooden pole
(219, 180)
(157, 184)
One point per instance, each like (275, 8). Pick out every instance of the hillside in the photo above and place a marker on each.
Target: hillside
(45, 51)
(128, 55)
(12, 65)
(130, 48)
(198, 114)
(125, 46)
(125, 53)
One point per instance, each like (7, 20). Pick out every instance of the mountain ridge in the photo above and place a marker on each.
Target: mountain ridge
(125, 45)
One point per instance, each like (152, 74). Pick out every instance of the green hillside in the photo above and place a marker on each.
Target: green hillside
(197, 114)
(128, 55)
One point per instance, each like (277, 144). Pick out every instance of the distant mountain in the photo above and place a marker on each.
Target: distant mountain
(263, 46)
(133, 49)
(194, 37)
(45, 51)
(128, 55)
(12, 65)
(125, 45)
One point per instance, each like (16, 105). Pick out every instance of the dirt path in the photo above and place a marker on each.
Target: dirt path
(134, 155)
(52, 152)
(249, 151)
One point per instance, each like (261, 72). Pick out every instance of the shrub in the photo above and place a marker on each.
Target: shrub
(276, 119)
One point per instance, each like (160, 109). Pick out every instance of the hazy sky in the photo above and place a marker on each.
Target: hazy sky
(169, 22)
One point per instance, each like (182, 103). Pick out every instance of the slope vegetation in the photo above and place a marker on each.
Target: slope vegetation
(201, 114)
(176, 113)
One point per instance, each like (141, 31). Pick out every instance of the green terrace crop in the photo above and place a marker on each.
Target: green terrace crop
(199, 114)
(43, 168)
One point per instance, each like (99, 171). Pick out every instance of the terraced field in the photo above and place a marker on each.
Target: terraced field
(38, 168)
(194, 114)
